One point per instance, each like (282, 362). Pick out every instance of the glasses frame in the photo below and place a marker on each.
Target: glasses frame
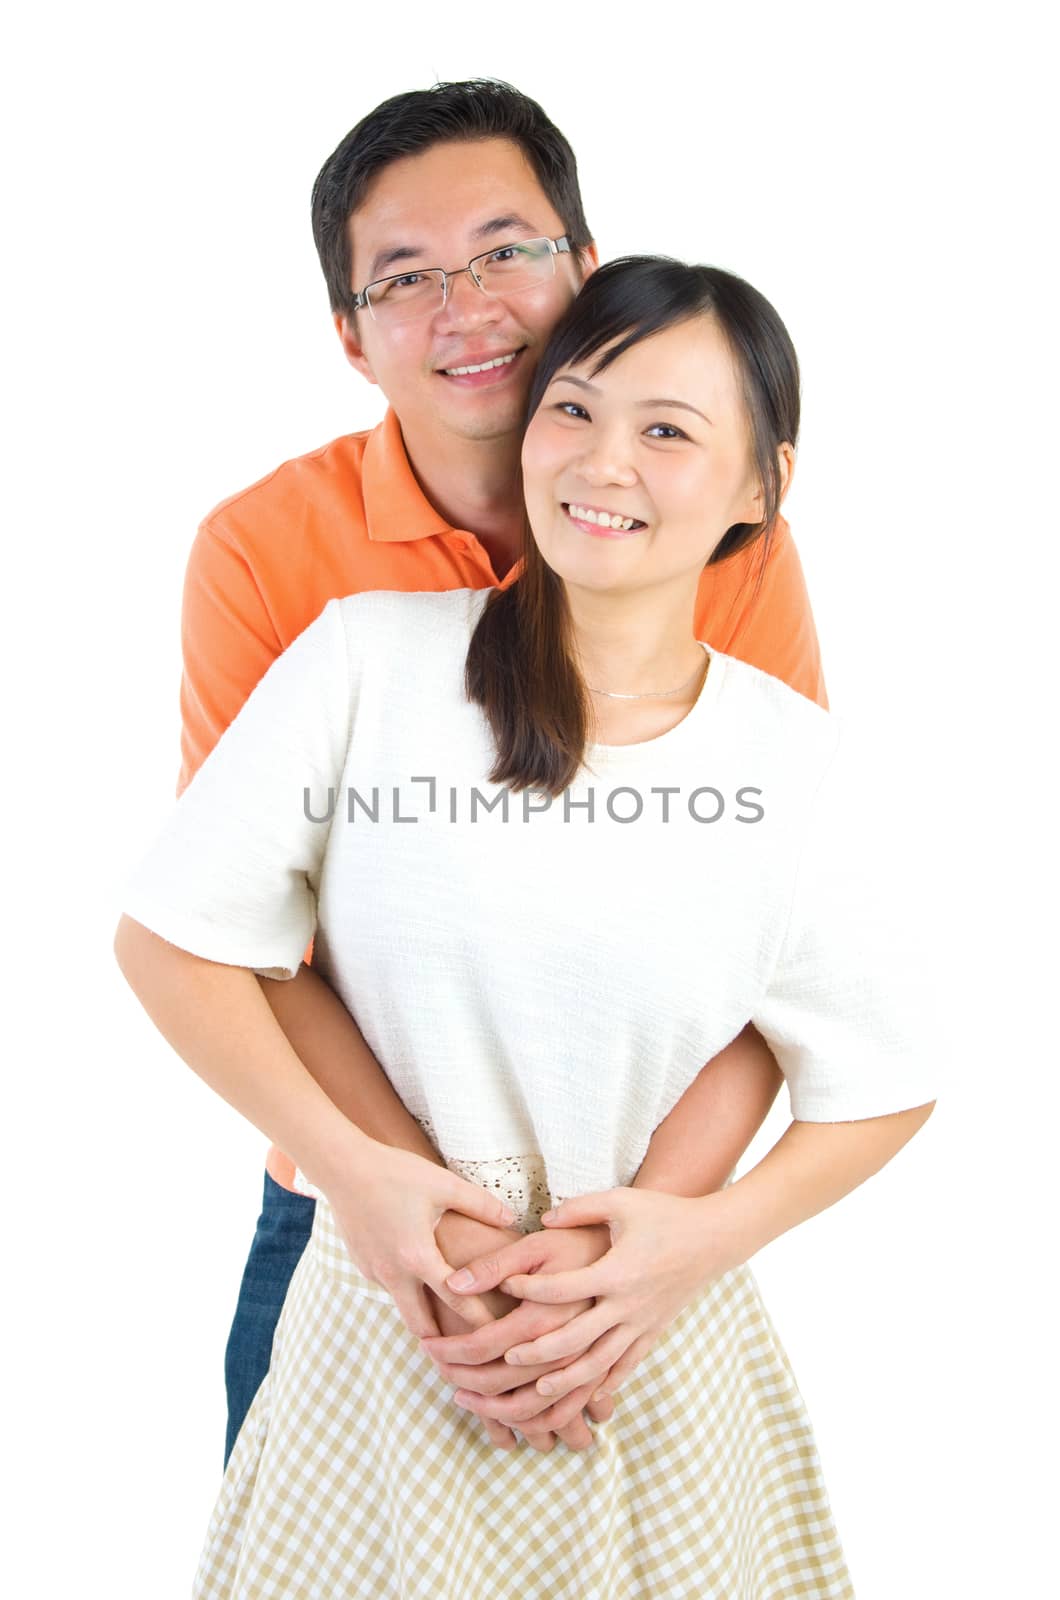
(557, 247)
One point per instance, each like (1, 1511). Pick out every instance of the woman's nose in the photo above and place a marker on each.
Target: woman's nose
(607, 461)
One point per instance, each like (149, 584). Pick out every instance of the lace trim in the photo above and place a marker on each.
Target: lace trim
(520, 1181)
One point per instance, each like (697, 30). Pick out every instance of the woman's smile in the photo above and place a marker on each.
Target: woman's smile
(601, 523)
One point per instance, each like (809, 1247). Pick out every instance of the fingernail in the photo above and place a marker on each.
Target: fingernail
(507, 1216)
(548, 1216)
(544, 1387)
(601, 1394)
(462, 1279)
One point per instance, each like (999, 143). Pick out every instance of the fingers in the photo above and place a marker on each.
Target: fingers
(495, 1377)
(458, 1194)
(627, 1364)
(489, 1342)
(468, 1306)
(414, 1308)
(542, 1440)
(486, 1272)
(554, 1288)
(525, 1409)
(601, 1207)
(500, 1435)
(594, 1368)
(577, 1435)
(601, 1407)
(566, 1415)
(563, 1343)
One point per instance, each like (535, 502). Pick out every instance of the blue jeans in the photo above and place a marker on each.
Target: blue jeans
(279, 1241)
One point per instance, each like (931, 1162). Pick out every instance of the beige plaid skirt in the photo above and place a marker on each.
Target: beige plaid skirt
(355, 1475)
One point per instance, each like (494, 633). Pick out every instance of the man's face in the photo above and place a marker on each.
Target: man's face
(439, 209)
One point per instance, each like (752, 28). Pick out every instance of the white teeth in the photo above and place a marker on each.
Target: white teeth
(485, 366)
(602, 519)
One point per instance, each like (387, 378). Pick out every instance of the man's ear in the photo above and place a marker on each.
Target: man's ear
(346, 328)
(588, 259)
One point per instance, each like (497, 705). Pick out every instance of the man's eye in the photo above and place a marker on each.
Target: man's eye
(506, 253)
(408, 280)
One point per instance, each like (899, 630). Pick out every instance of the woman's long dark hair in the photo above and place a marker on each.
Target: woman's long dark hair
(521, 667)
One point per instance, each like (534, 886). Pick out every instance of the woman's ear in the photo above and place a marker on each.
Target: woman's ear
(755, 505)
(786, 462)
(346, 328)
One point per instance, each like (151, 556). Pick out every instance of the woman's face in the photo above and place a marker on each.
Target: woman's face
(662, 436)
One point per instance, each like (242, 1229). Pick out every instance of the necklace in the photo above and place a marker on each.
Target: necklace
(652, 694)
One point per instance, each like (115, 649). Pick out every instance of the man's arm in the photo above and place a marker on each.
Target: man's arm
(691, 1153)
(696, 1147)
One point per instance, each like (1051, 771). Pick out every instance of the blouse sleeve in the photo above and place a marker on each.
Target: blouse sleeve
(849, 1011)
(234, 873)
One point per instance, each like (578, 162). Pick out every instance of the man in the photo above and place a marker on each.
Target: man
(471, 178)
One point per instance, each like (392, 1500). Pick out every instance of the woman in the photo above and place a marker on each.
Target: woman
(556, 852)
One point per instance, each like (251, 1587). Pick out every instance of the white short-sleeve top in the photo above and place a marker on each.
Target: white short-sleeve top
(546, 978)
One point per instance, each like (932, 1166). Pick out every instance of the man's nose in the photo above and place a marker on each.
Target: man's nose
(466, 306)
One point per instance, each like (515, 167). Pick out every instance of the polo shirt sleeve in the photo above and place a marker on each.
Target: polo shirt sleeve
(850, 1012)
(228, 642)
(233, 875)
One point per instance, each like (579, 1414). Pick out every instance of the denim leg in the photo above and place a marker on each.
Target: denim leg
(280, 1239)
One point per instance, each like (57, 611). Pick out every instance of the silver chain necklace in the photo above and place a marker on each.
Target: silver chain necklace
(652, 694)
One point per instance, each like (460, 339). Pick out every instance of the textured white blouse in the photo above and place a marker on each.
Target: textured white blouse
(541, 981)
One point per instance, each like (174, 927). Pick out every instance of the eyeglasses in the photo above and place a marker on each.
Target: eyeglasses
(422, 293)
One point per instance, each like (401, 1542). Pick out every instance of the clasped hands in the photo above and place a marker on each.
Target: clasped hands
(591, 1294)
(575, 1306)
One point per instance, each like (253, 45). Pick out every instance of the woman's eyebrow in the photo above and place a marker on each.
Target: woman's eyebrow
(590, 388)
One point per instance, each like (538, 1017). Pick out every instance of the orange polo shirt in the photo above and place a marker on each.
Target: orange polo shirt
(351, 517)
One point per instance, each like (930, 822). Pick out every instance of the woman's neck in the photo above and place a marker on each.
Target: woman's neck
(635, 644)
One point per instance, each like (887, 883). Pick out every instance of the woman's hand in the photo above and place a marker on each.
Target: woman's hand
(387, 1206)
(490, 1387)
(665, 1249)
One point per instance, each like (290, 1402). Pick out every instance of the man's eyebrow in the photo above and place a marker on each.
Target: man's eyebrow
(415, 252)
(504, 224)
(590, 388)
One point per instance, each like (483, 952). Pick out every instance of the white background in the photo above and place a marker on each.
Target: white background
(884, 174)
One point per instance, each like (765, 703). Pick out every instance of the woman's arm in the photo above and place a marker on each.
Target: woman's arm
(666, 1249)
(810, 1167)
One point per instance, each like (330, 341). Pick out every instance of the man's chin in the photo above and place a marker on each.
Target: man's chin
(499, 424)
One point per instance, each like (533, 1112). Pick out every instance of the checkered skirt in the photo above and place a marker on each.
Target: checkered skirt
(354, 1474)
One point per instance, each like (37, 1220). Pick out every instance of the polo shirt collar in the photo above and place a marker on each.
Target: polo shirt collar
(395, 507)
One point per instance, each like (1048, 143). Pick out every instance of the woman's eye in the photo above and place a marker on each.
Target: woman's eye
(665, 431)
(569, 407)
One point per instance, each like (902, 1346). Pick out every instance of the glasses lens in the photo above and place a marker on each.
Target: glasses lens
(413, 294)
(516, 266)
